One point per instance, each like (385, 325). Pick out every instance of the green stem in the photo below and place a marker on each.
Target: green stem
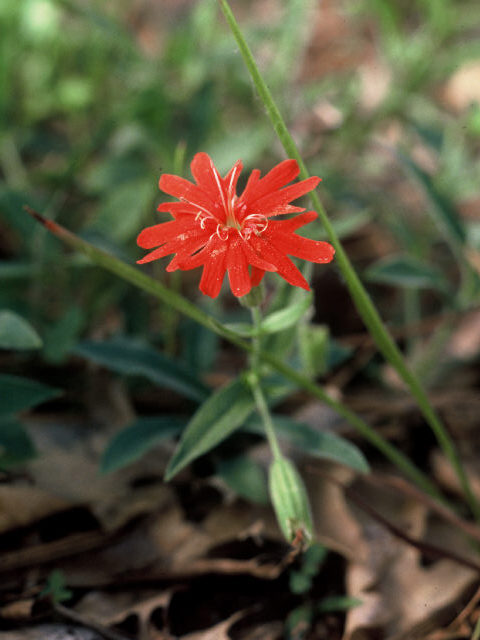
(178, 302)
(255, 384)
(362, 301)
(264, 412)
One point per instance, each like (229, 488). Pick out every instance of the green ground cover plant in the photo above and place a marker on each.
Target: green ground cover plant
(89, 123)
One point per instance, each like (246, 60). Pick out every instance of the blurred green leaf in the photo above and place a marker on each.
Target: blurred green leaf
(298, 622)
(286, 318)
(122, 211)
(12, 270)
(134, 358)
(301, 580)
(406, 271)
(19, 394)
(246, 477)
(319, 444)
(277, 321)
(337, 603)
(313, 347)
(17, 333)
(349, 224)
(138, 438)
(200, 346)
(61, 336)
(234, 144)
(224, 412)
(55, 588)
(16, 446)
(441, 208)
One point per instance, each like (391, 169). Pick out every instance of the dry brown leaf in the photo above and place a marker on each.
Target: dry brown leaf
(464, 342)
(398, 593)
(18, 610)
(22, 505)
(72, 474)
(335, 525)
(52, 632)
(446, 477)
(110, 609)
(218, 632)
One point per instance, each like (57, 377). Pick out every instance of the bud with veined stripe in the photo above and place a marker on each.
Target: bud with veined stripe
(290, 502)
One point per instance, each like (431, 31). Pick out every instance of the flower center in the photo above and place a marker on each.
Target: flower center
(255, 223)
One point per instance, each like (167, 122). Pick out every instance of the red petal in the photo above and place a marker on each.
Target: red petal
(161, 233)
(231, 179)
(183, 245)
(192, 193)
(279, 259)
(204, 171)
(279, 176)
(256, 276)
(292, 224)
(176, 208)
(214, 268)
(251, 187)
(237, 266)
(254, 259)
(153, 255)
(190, 258)
(304, 248)
(274, 203)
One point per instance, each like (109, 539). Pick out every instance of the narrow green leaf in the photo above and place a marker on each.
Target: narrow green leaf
(246, 477)
(406, 271)
(133, 358)
(17, 333)
(16, 446)
(319, 444)
(286, 318)
(138, 438)
(19, 394)
(337, 603)
(224, 412)
(241, 328)
(441, 208)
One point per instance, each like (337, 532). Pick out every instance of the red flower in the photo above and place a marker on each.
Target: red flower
(216, 229)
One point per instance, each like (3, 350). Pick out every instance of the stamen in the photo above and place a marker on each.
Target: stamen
(230, 186)
(254, 223)
(197, 206)
(222, 232)
(217, 180)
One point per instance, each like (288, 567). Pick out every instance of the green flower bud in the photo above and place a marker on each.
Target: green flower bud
(290, 502)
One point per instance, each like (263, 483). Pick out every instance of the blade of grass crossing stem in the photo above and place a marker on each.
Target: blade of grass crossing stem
(150, 285)
(360, 296)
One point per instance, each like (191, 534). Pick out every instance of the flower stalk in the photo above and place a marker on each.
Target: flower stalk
(255, 384)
